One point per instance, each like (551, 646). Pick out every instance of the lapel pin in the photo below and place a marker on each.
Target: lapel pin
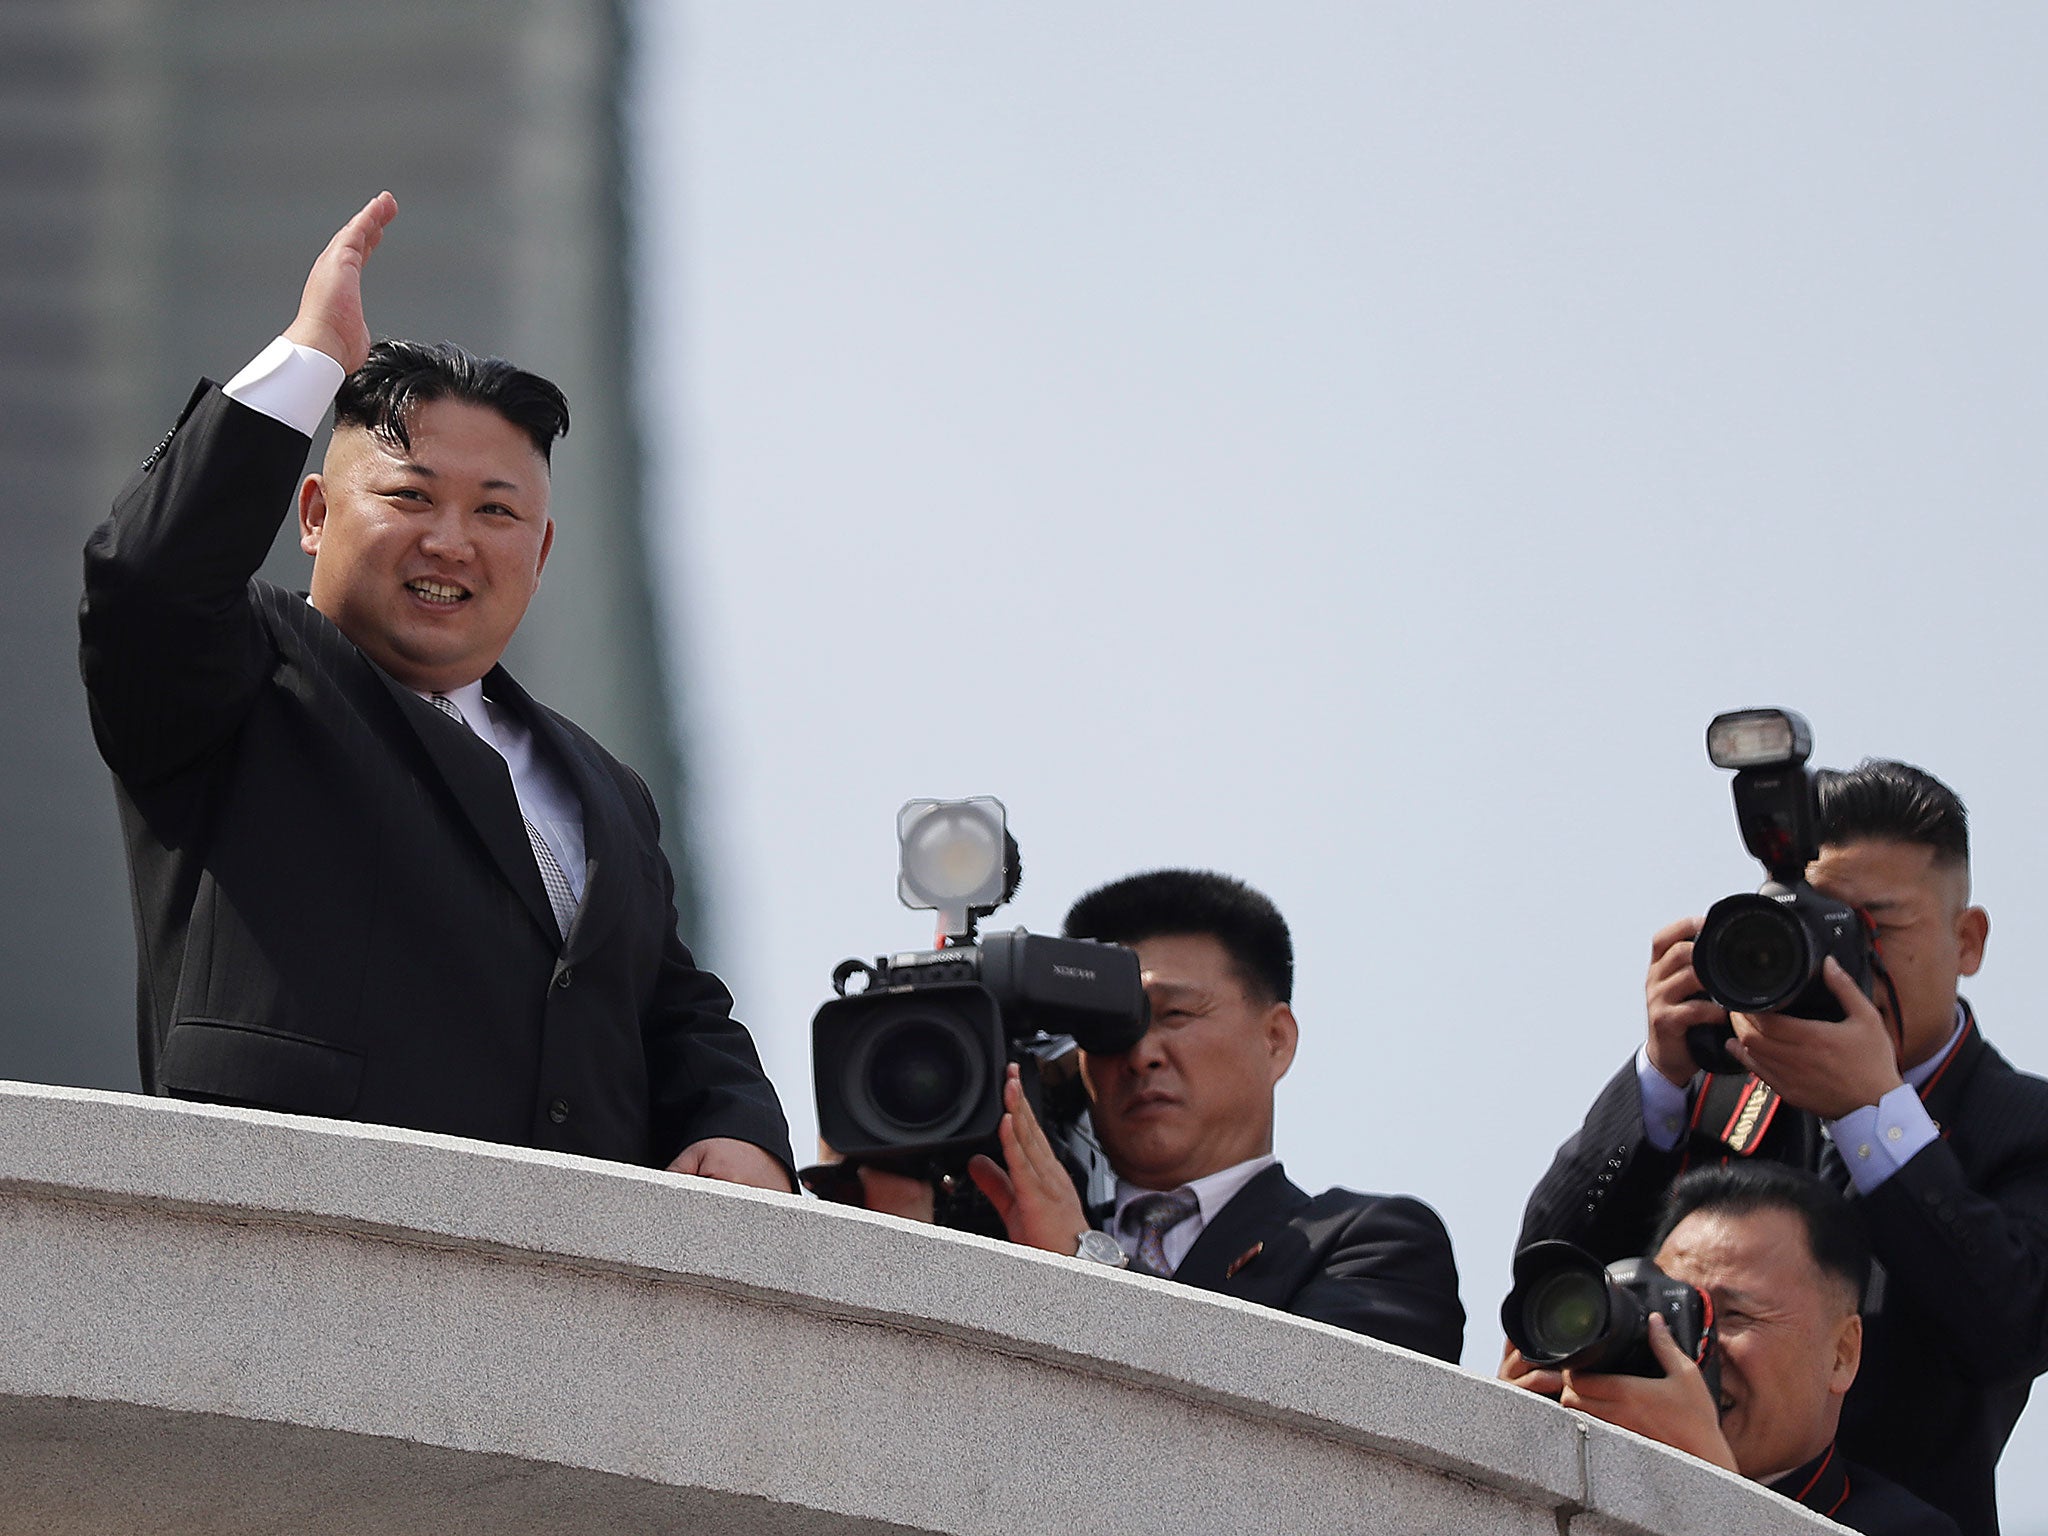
(1243, 1259)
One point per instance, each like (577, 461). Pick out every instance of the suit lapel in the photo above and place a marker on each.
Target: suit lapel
(1257, 1215)
(607, 835)
(482, 787)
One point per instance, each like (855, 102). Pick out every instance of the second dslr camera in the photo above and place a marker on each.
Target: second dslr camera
(1763, 953)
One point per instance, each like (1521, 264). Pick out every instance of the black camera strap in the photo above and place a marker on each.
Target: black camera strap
(1734, 1111)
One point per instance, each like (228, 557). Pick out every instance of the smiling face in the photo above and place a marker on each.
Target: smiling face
(1195, 1096)
(426, 557)
(1786, 1332)
(1928, 934)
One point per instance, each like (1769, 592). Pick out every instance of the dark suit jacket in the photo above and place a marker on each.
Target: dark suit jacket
(337, 909)
(1377, 1264)
(1857, 1497)
(1958, 1328)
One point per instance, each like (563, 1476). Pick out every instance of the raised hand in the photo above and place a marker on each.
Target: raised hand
(1031, 1191)
(1829, 1067)
(330, 317)
(1672, 993)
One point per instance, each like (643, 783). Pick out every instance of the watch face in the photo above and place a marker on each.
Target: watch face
(1102, 1249)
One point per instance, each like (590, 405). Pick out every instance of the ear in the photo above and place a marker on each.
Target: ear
(1282, 1035)
(547, 542)
(1973, 927)
(312, 513)
(1848, 1355)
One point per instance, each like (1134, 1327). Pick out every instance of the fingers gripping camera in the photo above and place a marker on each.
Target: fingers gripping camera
(1568, 1313)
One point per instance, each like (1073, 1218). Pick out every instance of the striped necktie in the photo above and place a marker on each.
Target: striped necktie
(560, 897)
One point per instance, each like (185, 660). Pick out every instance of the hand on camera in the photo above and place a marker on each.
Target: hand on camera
(1031, 1190)
(1674, 1409)
(1826, 1067)
(1517, 1372)
(1672, 993)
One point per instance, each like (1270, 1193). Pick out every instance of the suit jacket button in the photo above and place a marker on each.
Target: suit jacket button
(562, 978)
(558, 1111)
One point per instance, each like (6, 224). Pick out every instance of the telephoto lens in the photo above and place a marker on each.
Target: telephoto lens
(1566, 1312)
(1569, 1312)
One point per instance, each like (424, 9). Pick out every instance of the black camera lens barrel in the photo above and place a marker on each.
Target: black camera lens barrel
(1763, 953)
(915, 1074)
(909, 1067)
(1754, 954)
(1564, 1311)
(1569, 1312)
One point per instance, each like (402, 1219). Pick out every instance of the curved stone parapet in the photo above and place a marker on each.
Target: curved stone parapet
(224, 1321)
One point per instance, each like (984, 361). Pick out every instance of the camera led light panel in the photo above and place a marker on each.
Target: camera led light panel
(952, 853)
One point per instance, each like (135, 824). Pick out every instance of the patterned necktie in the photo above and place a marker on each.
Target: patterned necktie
(1154, 1216)
(560, 897)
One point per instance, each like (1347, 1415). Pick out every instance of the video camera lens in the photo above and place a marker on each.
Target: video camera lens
(916, 1075)
(1754, 954)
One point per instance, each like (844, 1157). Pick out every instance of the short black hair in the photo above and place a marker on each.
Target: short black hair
(1834, 1228)
(1895, 801)
(401, 376)
(1194, 901)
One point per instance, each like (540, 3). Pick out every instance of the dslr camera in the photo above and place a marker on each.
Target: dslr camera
(1762, 953)
(910, 1062)
(1568, 1313)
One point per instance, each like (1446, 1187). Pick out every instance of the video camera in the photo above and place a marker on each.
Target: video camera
(1762, 953)
(910, 1066)
(1568, 1313)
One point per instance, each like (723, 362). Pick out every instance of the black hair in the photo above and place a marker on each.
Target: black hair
(1896, 801)
(400, 376)
(1834, 1228)
(1194, 901)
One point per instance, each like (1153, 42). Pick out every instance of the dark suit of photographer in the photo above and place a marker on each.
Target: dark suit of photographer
(1186, 1117)
(1943, 1144)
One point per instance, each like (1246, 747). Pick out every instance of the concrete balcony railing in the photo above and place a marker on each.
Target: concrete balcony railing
(221, 1321)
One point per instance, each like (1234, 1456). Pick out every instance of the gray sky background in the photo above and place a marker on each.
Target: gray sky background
(1356, 448)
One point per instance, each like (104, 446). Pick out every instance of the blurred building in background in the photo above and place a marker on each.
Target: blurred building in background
(170, 169)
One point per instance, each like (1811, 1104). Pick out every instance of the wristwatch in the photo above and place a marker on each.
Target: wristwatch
(1101, 1248)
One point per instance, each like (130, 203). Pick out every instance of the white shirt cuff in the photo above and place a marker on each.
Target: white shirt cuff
(288, 383)
(1663, 1105)
(1879, 1139)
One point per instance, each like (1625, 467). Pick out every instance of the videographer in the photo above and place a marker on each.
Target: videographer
(1784, 1260)
(1186, 1120)
(1901, 1103)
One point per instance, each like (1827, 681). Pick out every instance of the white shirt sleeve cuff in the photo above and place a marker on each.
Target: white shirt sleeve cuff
(1879, 1139)
(1663, 1105)
(288, 383)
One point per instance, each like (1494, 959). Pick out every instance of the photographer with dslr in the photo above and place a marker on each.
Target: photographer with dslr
(1186, 1118)
(1899, 1102)
(1783, 1259)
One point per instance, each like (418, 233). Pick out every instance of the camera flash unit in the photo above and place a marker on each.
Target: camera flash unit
(1759, 738)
